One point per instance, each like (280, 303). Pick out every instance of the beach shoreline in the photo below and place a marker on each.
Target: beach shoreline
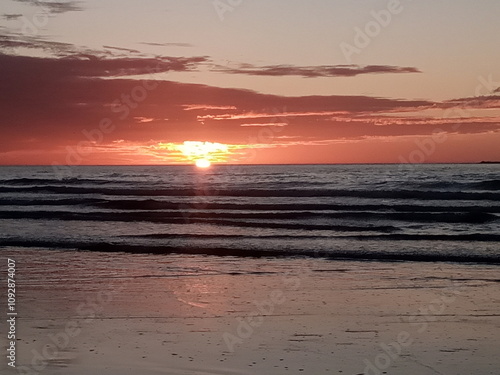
(187, 314)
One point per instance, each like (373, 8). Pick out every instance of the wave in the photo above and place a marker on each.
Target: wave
(395, 237)
(488, 185)
(237, 252)
(190, 216)
(492, 185)
(160, 205)
(259, 193)
(183, 218)
(453, 186)
(152, 204)
(50, 202)
(440, 185)
(51, 181)
(403, 212)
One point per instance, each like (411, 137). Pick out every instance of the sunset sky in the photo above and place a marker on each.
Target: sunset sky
(249, 81)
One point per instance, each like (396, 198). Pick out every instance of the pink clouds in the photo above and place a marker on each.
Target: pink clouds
(315, 71)
(55, 104)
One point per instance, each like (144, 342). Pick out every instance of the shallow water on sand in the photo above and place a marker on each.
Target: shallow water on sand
(169, 314)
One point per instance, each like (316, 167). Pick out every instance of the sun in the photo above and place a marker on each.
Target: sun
(202, 163)
(201, 154)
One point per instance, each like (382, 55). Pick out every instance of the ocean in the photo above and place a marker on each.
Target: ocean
(431, 212)
(294, 269)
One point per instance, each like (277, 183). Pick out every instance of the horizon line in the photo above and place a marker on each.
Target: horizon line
(232, 164)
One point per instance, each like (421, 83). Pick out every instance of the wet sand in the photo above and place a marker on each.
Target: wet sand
(85, 312)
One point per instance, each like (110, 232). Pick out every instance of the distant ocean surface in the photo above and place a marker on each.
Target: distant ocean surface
(357, 212)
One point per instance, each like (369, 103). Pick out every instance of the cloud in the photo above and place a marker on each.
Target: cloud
(82, 65)
(315, 71)
(54, 104)
(263, 115)
(10, 17)
(14, 40)
(142, 120)
(122, 49)
(168, 44)
(70, 60)
(54, 7)
(399, 120)
(192, 107)
(279, 124)
(484, 102)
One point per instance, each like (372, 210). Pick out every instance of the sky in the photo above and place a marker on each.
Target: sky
(249, 81)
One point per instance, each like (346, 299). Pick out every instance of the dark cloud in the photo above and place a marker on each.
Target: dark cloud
(53, 100)
(168, 44)
(14, 40)
(84, 65)
(54, 7)
(122, 49)
(72, 61)
(489, 101)
(315, 71)
(10, 17)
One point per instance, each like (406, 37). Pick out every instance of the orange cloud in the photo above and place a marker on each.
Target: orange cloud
(61, 120)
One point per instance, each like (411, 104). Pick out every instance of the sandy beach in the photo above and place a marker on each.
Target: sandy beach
(84, 312)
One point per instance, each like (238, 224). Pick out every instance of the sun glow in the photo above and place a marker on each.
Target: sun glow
(201, 154)
(202, 163)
